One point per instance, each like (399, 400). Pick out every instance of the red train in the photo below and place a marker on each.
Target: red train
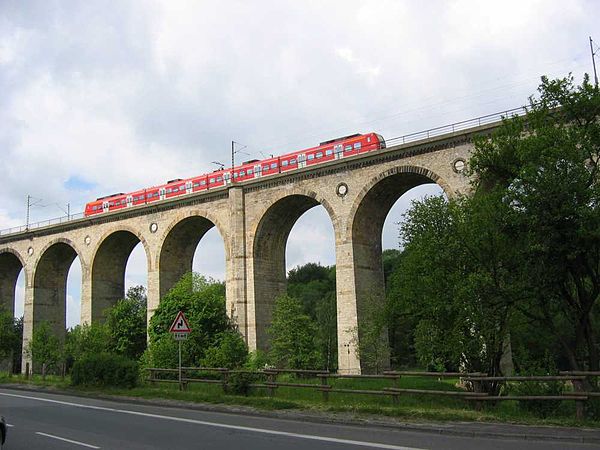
(326, 151)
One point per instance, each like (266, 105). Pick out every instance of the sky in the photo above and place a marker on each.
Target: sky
(99, 97)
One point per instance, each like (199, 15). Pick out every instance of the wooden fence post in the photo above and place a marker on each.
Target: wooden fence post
(579, 405)
(271, 376)
(225, 380)
(324, 388)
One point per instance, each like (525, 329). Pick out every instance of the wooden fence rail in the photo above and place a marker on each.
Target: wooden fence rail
(267, 379)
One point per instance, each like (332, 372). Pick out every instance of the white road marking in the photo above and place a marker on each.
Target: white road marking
(219, 425)
(66, 440)
(9, 425)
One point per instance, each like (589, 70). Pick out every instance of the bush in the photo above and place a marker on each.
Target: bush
(543, 366)
(239, 383)
(230, 352)
(105, 369)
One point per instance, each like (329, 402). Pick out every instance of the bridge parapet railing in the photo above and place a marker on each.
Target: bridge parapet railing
(456, 126)
(43, 223)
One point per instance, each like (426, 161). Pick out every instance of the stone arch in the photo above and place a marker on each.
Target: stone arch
(268, 245)
(179, 242)
(108, 265)
(50, 284)
(11, 264)
(364, 228)
(410, 172)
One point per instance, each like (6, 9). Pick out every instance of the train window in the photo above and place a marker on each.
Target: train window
(196, 184)
(284, 163)
(94, 208)
(242, 173)
(266, 167)
(235, 175)
(311, 157)
(319, 154)
(211, 180)
(328, 152)
(273, 165)
(141, 197)
(369, 139)
(219, 178)
(347, 148)
(203, 182)
(357, 145)
(292, 162)
(250, 171)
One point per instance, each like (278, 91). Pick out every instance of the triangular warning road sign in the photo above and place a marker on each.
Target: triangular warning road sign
(180, 325)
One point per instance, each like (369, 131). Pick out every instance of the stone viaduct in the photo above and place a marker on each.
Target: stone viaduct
(254, 219)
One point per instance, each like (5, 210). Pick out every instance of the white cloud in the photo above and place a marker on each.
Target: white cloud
(132, 95)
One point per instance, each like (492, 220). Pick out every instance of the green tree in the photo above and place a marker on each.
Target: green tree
(9, 336)
(203, 303)
(84, 340)
(310, 284)
(456, 281)
(326, 321)
(292, 332)
(44, 348)
(544, 167)
(126, 324)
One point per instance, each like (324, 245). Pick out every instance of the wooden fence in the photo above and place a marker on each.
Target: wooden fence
(268, 379)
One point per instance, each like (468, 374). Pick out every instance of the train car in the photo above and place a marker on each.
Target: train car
(199, 183)
(217, 178)
(333, 149)
(246, 171)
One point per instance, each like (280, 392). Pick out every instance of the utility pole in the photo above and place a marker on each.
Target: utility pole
(28, 206)
(594, 61)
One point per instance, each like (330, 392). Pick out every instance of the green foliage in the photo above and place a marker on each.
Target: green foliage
(314, 286)
(239, 383)
(292, 336)
(44, 346)
(85, 340)
(126, 324)
(257, 360)
(455, 283)
(203, 303)
(163, 353)
(310, 284)
(230, 351)
(326, 338)
(370, 337)
(542, 408)
(105, 370)
(545, 169)
(10, 338)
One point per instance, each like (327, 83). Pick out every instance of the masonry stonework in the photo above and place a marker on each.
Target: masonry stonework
(254, 220)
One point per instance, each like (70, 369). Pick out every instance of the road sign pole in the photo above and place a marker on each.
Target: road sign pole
(180, 385)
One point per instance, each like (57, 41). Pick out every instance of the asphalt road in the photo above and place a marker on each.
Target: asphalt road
(48, 421)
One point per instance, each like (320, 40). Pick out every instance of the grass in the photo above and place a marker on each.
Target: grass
(415, 408)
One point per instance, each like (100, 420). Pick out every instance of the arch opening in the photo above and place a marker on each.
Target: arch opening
(50, 288)
(179, 248)
(383, 204)
(12, 299)
(11, 268)
(269, 258)
(117, 264)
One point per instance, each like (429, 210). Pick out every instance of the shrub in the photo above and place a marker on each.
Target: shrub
(105, 369)
(230, 352)
(239, 383)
